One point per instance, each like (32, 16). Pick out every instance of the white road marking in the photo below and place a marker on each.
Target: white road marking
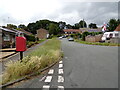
(51, 71)
(60, 61)
(61, 87)
(60, 65)
(60, 79)
(42, 78)
(46, 87)
(60, 71)
(48, 79)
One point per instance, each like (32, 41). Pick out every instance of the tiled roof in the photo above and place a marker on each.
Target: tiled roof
(7, 30)
(118, 28)
(26, 32)
(91, 30)
(71, 30)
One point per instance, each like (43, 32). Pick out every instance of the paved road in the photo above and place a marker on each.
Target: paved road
(83, 66)
(17, 56)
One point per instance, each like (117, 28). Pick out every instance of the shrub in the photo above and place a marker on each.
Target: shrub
(30, 38)
(84, 35)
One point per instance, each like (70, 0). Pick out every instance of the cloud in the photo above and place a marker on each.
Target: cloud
(70, 11)
(97, 12)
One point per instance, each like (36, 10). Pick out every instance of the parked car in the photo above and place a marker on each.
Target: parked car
(60, 37)
(70, 39)
(108, 35)
(64, 36)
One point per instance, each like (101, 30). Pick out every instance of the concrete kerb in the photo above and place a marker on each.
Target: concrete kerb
(30, 75)
(8, 55)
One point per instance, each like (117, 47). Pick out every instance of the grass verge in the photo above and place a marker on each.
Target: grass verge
(45, 55)
(31, 43)
(97, 43)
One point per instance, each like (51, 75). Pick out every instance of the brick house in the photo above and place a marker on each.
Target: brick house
(118, 28)
(42, 33)
(7, 37)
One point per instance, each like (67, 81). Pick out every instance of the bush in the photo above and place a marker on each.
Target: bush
(30, 38)
(84, 35)
(30, 43)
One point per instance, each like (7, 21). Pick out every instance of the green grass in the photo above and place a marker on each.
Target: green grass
(45, 55)
(97, 43)
(31, 43)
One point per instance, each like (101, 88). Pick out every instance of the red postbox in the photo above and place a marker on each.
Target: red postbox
(20, 44)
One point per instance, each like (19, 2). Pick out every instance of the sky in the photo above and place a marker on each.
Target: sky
(70, 11)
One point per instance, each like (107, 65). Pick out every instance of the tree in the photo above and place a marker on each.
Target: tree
(82, 24)
(62, 25)
(68, 26)
(22, 26)
(11, 26)
(53, 29)
(112, 24)
(32, 28)
(92, 25)
(77, 26)
(84, 35)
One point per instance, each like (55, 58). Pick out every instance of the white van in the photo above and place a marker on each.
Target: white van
(108, 35)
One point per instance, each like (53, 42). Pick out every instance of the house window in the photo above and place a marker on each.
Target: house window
(6, 37)
(116, 34)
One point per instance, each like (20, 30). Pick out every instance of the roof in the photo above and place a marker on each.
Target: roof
(71, 30)
(118, 28)
(91, 30)
(7, 30)
(26, 32)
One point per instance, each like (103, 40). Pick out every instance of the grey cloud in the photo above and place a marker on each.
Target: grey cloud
(97, 12)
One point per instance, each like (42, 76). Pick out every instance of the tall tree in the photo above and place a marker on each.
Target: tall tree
(112, 24)
(62, 25)
(11, 26)
(77, 26)
(53, 29)
(31, 28)
(22, 26)
(68, 26)
(92, 25)
(83, 24)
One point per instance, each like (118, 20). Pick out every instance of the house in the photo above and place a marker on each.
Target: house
(116, 38)
(26, 32)
(118, 28)
(7, 37)
(71, 31)
(42, 33)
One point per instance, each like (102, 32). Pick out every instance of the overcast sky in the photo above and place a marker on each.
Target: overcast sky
(71, 11)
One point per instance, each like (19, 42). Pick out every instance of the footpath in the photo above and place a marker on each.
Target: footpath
(4, 53)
